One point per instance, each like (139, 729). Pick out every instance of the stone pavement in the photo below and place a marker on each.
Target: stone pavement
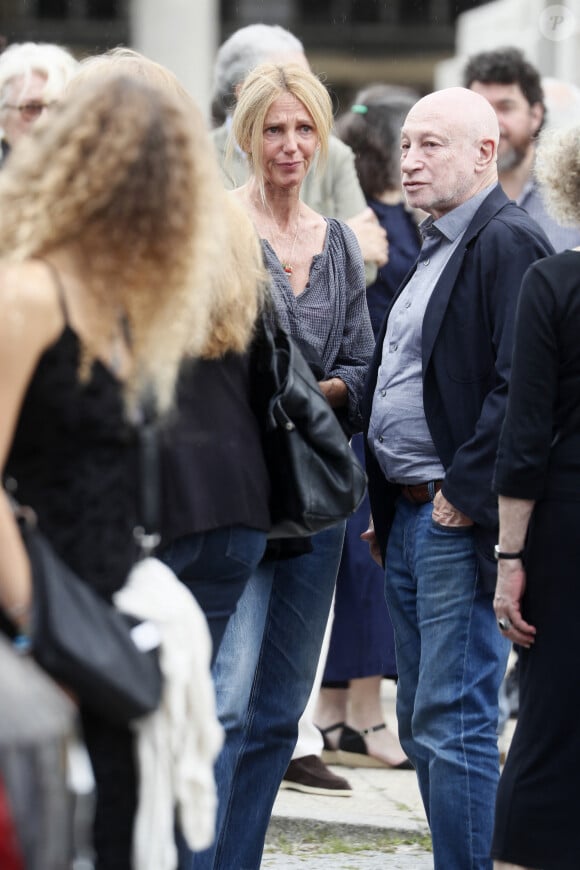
(381, 827)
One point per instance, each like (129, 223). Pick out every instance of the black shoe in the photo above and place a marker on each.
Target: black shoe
(329, 753)
(311, 776)
(353, 750)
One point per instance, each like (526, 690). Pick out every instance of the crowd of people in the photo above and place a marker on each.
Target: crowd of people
(421, 255)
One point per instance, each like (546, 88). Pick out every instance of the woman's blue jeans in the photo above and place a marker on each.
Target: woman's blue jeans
(215, 566)
(451, 659)
(264, 674)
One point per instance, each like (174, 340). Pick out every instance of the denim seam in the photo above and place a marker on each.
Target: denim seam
(467, 772)
(243, 745)
(220, 840)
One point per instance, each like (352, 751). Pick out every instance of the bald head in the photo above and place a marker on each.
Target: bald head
(449, 150)
(470, 113)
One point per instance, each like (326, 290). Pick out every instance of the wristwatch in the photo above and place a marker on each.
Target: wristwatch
(499, 554)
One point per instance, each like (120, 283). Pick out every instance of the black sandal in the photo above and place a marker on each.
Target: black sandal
(353, 750)
(329, 753)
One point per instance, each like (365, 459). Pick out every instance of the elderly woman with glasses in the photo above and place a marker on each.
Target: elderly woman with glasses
(32, 76)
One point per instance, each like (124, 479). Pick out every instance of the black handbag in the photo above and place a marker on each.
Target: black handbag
(315, 478)
(84, 643)
(80, 639)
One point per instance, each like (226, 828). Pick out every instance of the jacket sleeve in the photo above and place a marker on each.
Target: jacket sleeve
(345, 196)
(501, 256)
(348, 199)
(528, 431)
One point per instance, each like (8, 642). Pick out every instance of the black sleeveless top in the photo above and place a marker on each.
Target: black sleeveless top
(74, 460)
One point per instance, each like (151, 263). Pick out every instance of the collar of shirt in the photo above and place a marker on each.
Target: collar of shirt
(528, 189)
(455, 222)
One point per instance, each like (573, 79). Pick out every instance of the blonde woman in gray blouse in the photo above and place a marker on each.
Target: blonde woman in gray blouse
(267, 662)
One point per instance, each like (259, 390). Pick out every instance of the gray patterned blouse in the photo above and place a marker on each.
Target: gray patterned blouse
(331, 313)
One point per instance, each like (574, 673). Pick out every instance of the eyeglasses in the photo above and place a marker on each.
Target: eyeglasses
(29, 111)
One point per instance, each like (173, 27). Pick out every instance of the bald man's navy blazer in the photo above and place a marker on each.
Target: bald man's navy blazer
(466, 348)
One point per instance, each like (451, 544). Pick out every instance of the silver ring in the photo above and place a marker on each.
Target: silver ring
(504, 623)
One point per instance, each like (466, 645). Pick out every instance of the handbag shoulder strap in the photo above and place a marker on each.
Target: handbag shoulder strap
(149, 505)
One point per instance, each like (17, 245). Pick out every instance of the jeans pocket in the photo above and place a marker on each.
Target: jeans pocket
(178, 554)
(452, 530)
(246, 545)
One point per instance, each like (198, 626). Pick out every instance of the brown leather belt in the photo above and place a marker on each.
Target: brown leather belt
(421, 493)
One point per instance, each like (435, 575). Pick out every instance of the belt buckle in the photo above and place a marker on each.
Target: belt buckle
(411, 492)
(421, 493)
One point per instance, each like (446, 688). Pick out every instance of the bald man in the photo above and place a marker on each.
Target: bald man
(434, 406)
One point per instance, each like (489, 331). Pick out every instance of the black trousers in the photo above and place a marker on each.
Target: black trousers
(111, 750)
(536, 821)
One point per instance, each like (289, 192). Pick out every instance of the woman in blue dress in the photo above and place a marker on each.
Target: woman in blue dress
(361, 651)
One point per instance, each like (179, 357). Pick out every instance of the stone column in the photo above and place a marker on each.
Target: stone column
(182, 35)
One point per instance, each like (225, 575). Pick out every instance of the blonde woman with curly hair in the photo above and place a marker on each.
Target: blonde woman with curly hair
(235, 272)
(109, 233)
(537, 595)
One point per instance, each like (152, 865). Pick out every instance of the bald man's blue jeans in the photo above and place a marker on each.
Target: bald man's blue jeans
(451, 659)
(264, 673)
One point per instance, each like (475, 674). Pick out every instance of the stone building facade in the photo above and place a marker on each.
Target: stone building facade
(351, 42)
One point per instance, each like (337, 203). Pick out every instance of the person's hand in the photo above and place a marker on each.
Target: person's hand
(444, 514)
(509, 590)
(371, 236)
(370, 537)
(335, 391)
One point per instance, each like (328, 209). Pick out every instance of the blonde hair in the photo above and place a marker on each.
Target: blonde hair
(127, 61)
(240, 285)
(119, 175)
(557, 169)
(260, 89)
(236, 280)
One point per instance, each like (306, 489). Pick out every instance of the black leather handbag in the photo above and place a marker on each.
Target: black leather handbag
(316, 480)
(84, 643)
